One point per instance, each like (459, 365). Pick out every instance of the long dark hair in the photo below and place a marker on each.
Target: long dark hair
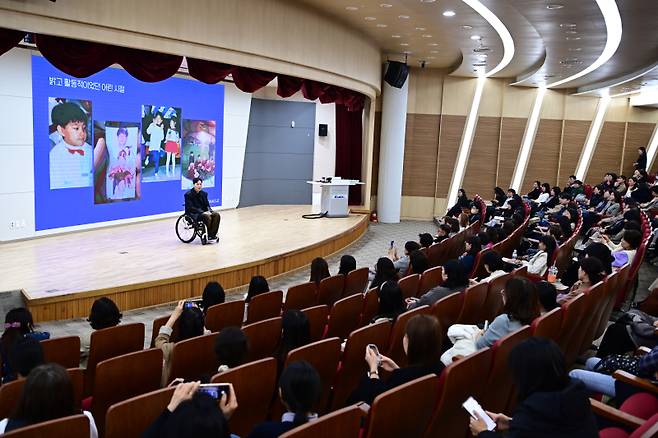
(550, 244)
(231, 346)
(476, 245)
(18, 323)
(104, 313)
(213, 294)
(190, 323)
(300, 387)
(47, 395)
(258, 285)
(391, 300)
(197, 417)
(593, 268)
(457, 276)
(385, 271)
(347, 264)
(319, 270)
(418, 262)
(537, 365)
(423, 341)
(601, 252)
(295, 333)
(521, 300)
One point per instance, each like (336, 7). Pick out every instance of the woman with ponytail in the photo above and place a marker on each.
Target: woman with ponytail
(299, 388)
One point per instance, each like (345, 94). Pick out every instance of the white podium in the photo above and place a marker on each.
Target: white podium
(334, 198)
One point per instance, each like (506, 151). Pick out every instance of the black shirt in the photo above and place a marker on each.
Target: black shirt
(196, 203)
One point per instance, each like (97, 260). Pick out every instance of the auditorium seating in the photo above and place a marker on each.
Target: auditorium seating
(75, 426)
(344, 316)
(493, 305)
(300, 297)
(225, 315)
(130, 418)
(264, 306)
(159, 322)
(344, 423)
(370, 306)
(263, 337)
(574, 311)
(395, 350)
(431, 278)
(317, 319)
(331, 289)
(548, 325)
(64, 351)
(409, 285)
(356, 282)
(447, 310)
(473, 311)
(193, 358)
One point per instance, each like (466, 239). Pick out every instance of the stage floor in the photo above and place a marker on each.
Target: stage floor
(145, 264)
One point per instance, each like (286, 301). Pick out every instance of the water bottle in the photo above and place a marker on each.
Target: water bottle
(514, 254)
(552, 274)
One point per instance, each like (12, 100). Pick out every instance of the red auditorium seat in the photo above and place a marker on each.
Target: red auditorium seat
(331, 289)
(430, 279)
(317, 319)
(493, 305)
(130, 418)
(63, 351)
(395, 350)
(159, 322)
(447, 310)
(473, 311)
(344, 423)
(345, 316)
(548, 325)
(370, 306)
(409, 285)
(193, 358)
(264, 337)
(300, 297)
(225, 315)
(356, 282)
(75, 426)
(264, 306)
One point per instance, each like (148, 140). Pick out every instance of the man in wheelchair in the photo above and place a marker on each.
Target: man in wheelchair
(198, 207)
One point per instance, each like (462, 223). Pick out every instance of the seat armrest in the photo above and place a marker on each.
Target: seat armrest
(615, 415)
(637, 382)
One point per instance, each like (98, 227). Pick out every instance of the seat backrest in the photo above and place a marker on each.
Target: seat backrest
(593, 313)
(123, 377)
(521, 271)
(63, 351)
(460, 380)
(405, 410)
(431, 278)
(500, 385)
(323, 356)
(265, 306)
(448, 309)
(548, 325)
(112, 342)
(301, 296)
(353, 367)
(345, 423)
(75, 426)
(409, 285)
(317, 319)
(345, 316)
(264, 337)
(159, 322)
(130, 418)
(572, 313)
(356, 282)
(395, 350)
(494, 302)
(224, 315)
(370, 306)
(193, 358)
(254, 384)
(648, 429)
(331, 289)
(438, 253)
(473, 311)
(613, 282)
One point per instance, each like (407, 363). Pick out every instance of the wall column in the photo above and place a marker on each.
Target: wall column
(391, 152)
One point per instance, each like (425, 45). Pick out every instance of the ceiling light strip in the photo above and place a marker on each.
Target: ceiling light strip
(614, 30)
(652, 148)
(616, 82)
(503, 33)
(467, 140)
(592, 138)
(528, 141)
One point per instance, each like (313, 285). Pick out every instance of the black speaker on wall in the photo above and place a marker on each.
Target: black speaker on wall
(396, 74)
(323, 130)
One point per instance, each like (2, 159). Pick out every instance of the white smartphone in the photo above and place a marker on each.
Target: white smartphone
(472, 407)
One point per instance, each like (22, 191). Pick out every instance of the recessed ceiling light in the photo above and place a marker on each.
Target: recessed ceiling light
(476, 37)
(483, 56)
(427, 35)
(434, 51)
(385, 5)
(553, 6)
(369, 18)
(351, 8)
(427, 1)
(421, 28)
(395, 36)
(433, 44)
(571, 32)
(431, 57)
(403, 17)
(482, 49)
(407, 52)
(575, 49)
(381, 25)
(448, 13)
(575, 38)
(466, 27)
(567, 25)
(404, 44)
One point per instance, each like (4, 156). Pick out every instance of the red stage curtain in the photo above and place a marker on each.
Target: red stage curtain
(148, 66)
(312, 90)
(9, 38)
(250, 80)
(288, 85)
(74, 57)
(349, 133)
(208, 72)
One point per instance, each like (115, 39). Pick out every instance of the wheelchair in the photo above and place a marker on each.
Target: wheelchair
(187, 229)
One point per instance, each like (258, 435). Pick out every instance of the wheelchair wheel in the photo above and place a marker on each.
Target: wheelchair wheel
(186, 228)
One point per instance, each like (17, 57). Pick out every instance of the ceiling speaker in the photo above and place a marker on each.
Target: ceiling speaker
(396, 74)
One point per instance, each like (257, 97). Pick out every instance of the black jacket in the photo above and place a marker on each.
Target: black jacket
(558, 414)
(196, 203)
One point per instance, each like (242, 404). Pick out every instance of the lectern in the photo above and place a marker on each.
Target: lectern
(334, 198)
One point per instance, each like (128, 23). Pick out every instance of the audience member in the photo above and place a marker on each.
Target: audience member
(295, 333)
(384, 271)
(213, 294)
(26, 354)
(455, 279)
(426, 240)
(536, 190)
(631, 330)
(300, 388)
(591, 271)
(462, 202)
(391, 302)
(401, 264)
(418, 262)
(231, 348)
(347, 265)
(47, 395)
(641, 162)
(547, 295)
(18, 324)
(319, 270)
(550, 405)
(443, 233)
(473, 248)
(494, 265)
(257, 285)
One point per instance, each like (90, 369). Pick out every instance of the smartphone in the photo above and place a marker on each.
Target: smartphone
(392, 243)
(215, 390)
(472, 407)
(374, 348)
(191, 303)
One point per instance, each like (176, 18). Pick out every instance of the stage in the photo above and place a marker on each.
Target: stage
(145, 264)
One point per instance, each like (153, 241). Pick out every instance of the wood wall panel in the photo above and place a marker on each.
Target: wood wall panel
(452, 128)
(637, 134)
(375, 153)
(545, 155)
(480, 174)
(420, 150)
(608, 152)
(573, 140)
(511, 136)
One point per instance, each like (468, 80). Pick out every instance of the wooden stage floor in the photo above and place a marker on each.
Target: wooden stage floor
(145, 264)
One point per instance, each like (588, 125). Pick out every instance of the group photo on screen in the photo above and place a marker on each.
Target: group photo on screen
(69, 131)
(161, 143)
(117, 161)
(198, 156)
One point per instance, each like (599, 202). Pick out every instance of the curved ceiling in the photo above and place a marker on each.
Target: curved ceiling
(553, 39)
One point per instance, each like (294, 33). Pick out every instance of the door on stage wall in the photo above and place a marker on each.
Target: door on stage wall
(279, 157)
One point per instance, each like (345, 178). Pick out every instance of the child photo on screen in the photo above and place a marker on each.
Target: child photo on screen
(70, 157)
(161, 136)
(198, 152)
(117, 170)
